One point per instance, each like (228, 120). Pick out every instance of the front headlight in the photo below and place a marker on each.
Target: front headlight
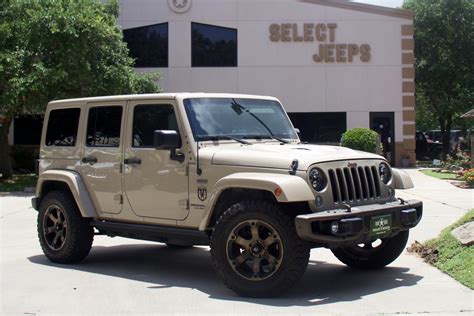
(385, 173)
(317, 179)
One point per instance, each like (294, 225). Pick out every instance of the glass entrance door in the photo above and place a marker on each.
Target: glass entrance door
(383, 124)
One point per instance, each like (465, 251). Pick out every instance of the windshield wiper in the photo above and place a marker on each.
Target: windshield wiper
(238, 108)
(220, 137)
(268, 136)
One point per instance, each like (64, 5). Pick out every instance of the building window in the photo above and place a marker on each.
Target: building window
(213, 46)
(27, 130)
(320, 127)
(149, 118)
(148, 45)
(62, 127)
(103, 126)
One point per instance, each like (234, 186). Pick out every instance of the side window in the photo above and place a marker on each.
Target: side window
(62, 127)
(149, 118)
(103, 126)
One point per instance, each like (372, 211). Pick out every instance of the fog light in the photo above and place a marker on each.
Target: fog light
(319, 201)
(334, 227)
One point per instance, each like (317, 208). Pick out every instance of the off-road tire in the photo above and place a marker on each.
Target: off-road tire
(376, 258)
(79, 234)
(292, 264)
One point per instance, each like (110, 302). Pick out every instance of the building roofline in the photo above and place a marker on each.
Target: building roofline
(363, 7)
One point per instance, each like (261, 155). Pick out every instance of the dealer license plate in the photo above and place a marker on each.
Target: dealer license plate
(380, 225)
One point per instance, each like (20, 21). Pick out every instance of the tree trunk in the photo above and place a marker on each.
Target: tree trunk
(5, 159)
(446, 136)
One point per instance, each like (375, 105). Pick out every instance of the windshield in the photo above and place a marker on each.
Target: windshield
(240, 118)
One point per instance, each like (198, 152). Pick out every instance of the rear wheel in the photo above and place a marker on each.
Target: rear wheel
(256, 251)
(373, 255)
(65, 236)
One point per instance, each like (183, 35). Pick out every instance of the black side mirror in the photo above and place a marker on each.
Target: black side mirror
(166, 139)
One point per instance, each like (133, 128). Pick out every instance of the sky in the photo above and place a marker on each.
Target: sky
(385, 3)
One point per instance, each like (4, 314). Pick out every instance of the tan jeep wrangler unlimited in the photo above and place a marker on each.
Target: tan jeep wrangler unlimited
(223, 170)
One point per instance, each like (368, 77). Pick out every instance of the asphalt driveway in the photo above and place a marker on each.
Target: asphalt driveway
(123, 276)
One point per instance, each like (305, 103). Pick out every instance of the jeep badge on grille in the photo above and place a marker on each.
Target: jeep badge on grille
(352, 164)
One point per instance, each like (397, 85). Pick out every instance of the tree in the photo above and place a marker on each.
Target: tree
(444, 48)
(56, 49)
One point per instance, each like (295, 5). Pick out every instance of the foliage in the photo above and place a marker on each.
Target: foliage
(444, 60)
(457, 161)
(56, 49)
(18, 183)
(454, 258)
(360, 139)
(468, 176)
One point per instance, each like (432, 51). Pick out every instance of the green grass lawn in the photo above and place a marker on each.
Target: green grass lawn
(453, 258)
(439, 175)
(18, 183)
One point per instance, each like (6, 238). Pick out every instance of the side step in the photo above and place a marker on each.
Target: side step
(153, 233)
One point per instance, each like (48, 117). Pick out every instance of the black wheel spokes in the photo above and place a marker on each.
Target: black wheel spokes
(54, 227)
(254, 250)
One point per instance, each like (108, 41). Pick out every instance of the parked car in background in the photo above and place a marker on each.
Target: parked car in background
(437, 137)
(426, 148)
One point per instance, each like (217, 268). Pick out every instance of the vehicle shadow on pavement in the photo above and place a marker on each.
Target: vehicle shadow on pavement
(323, 283)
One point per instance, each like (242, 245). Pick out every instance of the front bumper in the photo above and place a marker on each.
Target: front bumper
(355, 223)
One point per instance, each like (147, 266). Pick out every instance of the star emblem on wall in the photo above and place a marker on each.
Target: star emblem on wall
(179, 6)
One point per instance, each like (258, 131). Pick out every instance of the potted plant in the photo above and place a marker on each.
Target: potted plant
(405, 160)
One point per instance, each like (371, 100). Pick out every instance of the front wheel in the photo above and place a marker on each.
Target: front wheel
(373, 255)
(256, 251)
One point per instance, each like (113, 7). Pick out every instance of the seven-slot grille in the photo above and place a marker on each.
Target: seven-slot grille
(353, 184)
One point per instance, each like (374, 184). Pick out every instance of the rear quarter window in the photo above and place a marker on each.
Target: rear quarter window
(62, 127)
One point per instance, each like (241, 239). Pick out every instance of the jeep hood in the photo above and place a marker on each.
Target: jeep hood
(273, 155)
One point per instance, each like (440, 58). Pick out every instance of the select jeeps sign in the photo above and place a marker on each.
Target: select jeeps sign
(325, 34)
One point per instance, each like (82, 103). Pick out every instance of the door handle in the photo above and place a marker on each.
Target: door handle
(132, 161)
(89, 159)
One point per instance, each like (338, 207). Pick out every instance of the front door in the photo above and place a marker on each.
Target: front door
(102, 155)
(155, 185)
(383, 124)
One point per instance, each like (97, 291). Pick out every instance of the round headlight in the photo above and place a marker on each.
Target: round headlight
(385, 173)
(317, 179)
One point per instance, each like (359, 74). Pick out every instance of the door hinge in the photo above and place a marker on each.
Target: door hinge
(118, 198)
(120, 167)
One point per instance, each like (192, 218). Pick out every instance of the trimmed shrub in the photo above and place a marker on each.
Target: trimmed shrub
(360, 139)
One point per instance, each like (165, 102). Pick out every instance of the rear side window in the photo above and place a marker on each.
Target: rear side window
(149, 118)
(103, 126)
(62, 127)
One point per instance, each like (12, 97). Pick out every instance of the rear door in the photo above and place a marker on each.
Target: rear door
(101, 163)
(156, 186)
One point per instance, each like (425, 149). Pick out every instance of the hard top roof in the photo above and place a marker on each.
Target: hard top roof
(159, 96)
